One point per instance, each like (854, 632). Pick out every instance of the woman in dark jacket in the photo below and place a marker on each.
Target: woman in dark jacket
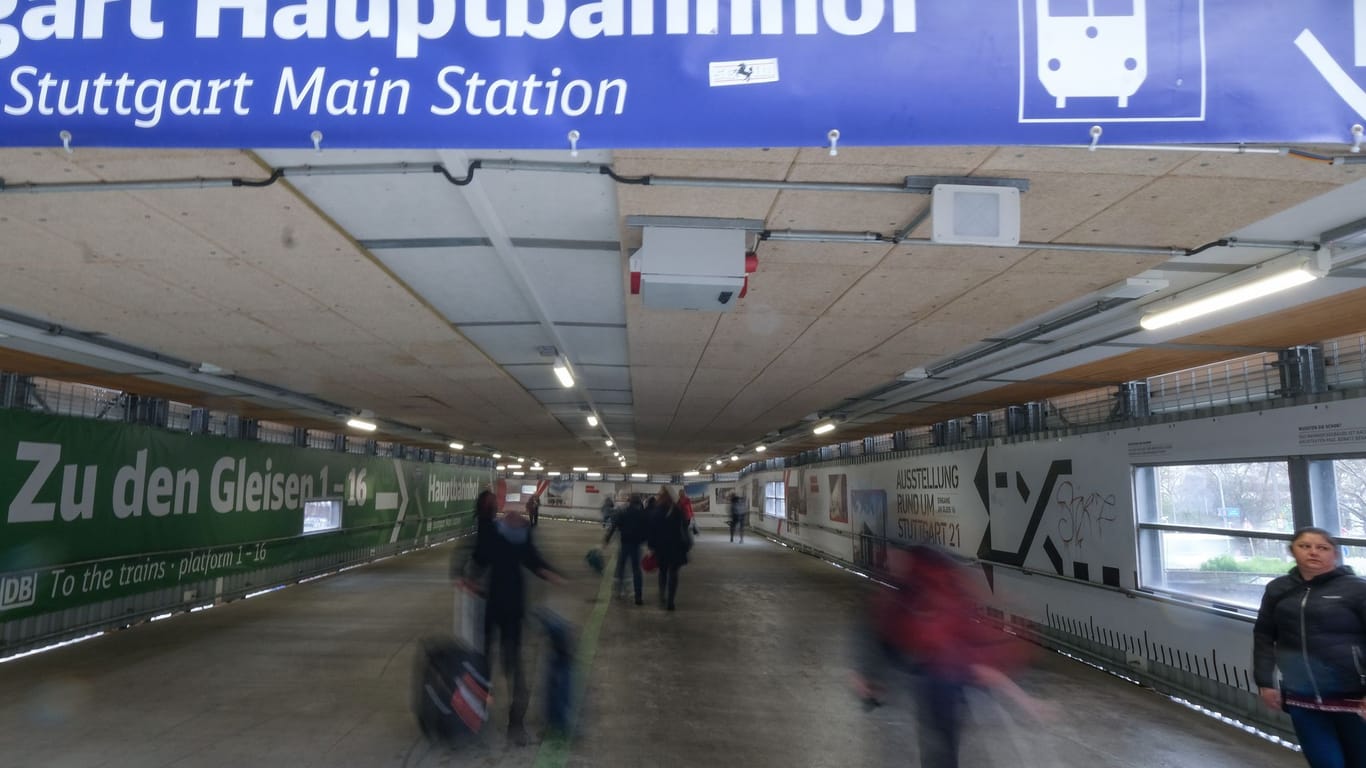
(670, 542)
(1312, 627)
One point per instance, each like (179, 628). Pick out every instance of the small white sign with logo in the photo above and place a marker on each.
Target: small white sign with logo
(747, 72)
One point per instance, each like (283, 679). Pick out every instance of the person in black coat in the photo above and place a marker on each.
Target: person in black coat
(670, 542)
(503, 550)
(1312, 627)
(633, 526)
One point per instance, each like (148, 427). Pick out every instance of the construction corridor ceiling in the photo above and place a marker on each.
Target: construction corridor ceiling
(435, 290)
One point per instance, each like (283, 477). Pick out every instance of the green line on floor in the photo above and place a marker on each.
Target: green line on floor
(554, 751)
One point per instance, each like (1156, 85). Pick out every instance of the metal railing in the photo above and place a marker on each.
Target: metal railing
(1245, 380)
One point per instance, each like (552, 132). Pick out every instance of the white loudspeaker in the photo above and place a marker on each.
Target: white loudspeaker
(970, 215)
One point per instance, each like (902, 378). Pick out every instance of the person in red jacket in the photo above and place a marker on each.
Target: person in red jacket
(929, 624)
(685, 504)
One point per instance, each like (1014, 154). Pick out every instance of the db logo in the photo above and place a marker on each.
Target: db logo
(18, 591)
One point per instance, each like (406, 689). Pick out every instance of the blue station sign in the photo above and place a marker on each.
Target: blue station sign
(677, 73)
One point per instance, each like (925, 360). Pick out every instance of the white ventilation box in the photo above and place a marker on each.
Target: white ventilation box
(692, 268)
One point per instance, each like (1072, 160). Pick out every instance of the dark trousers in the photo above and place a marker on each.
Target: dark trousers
(939, 705)
(668, 583)
(509, 631)
(632, 554)
(1330, 739)
(737, 525)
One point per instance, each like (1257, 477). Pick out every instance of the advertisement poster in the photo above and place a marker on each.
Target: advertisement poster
(560, 493)
(870, 527)
(839, 501)
(701, 500)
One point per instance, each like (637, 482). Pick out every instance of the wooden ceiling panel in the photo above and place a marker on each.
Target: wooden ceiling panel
(863, 255)
(92, 164)
(887, 165)
(855, 212)
(766, 164)
(1165, 207)
(1078, 162)
(1057, 203)
(853, 332)
(761, 327)
(1283, 167)
(976, 260)
(799, 289)
(905, 296)
(696, 201)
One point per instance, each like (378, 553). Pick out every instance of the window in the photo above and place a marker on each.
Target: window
(1216, 531)
(529, 490)
(1338, 489)
(775, 499)
(322, 515)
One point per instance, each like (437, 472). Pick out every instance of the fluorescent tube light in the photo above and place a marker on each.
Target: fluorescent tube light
(364, 426)
(562, 373)
(593, 475)
(457, 446)
(735, 458)
(518, 474)
(553, 474)
(580, 469)
(592, 420)
(1232, 297)
(496, 455)
(639, 476)
(708, 467)
(760, 449)
(514, 466)
(691, 473)
(501, 467)
(821, 429)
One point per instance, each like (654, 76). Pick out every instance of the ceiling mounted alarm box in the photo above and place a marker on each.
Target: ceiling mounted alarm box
(692, 268)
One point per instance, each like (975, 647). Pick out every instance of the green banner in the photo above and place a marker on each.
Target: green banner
(94, 510)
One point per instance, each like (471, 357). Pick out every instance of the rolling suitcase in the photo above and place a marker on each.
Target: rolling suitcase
(451, 689)
(559, 682)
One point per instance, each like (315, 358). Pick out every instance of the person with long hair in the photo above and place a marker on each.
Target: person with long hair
(1312, 628)
(670, 542)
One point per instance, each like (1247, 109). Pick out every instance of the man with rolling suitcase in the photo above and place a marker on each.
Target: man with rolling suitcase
(502, 554)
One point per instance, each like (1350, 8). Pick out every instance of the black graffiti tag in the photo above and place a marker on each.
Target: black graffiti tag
(1082, 514)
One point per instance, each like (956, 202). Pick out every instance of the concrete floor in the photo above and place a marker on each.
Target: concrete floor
(751, 670)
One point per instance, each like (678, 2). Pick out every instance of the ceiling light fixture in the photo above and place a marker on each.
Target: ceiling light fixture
(457, 446)
(735, 458)
(580, 469)
(609, 443)
(691, 473)
(821, 429)
(592, 420)
(639, 476)
(708, 467)
(496, 455)
(562, 372)
(501, 467)
(361, 424)
(760, 448)
(1271, 277)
